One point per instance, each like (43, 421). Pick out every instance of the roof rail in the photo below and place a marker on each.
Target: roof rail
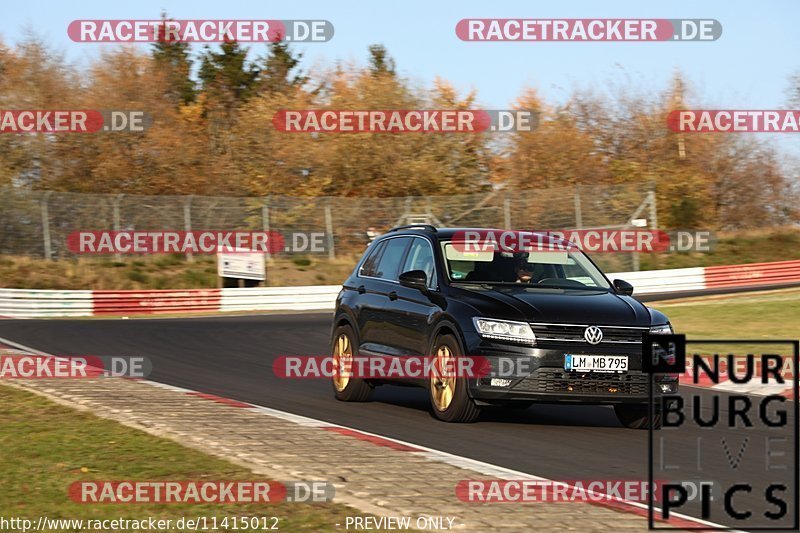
(426, 227)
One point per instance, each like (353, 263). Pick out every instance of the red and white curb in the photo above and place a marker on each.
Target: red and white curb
(432, 454)
(753, 386)
(756, 389)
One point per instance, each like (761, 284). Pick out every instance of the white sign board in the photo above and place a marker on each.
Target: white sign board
(241, 263)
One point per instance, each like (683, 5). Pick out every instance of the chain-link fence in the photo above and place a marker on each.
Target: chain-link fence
(38, 223)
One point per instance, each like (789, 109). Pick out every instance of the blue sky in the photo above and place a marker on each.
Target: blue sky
(748, 67)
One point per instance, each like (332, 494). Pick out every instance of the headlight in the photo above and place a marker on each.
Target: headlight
(666, 329)
(504, 330)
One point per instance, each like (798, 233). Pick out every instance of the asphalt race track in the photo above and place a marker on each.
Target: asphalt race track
(232, 357)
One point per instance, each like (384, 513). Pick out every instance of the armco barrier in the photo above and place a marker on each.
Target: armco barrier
(24, 303)
(311, 298)
(657, 281)
(752, 274)
(155, 302)
(21, 303)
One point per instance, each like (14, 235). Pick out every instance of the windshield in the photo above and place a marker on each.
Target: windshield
(564, 269)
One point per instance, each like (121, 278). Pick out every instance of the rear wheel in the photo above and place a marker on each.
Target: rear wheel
(637, 416)
(450, 399)
(345, 387)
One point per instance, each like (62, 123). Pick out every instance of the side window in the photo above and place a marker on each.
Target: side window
(370, 266)
(389, 263)
(420, 257)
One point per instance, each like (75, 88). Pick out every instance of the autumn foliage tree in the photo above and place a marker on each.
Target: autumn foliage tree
(212, 134)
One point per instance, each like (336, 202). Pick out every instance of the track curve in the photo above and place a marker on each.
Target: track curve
(233, 356)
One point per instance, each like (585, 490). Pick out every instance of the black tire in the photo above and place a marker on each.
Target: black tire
(637, 415)
(355, 389)
(461, 408)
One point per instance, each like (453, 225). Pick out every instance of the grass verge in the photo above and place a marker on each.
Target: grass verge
(749, 316)
(46, 447)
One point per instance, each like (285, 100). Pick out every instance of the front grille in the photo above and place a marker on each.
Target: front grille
(574, 333)
(554, 380)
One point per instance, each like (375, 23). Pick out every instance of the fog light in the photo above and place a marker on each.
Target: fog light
(498, 382)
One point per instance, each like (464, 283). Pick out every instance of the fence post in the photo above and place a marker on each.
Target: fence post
(329, 231)
(651, 200)
(187, 223)
(117, 201)
(578, 210)
(48, 250)
(507, 212)
(265, 224)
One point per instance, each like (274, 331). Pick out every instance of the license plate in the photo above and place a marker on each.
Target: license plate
(596, 363)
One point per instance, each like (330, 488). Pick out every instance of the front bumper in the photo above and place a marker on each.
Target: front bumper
(542, 377)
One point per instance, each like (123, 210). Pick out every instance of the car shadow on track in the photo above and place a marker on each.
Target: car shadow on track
(554, 415)
(542, 415)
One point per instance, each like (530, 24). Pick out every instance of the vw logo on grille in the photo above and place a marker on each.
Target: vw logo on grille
(593, 335)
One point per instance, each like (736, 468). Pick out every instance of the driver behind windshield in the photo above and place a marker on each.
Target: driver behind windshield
(523, 270)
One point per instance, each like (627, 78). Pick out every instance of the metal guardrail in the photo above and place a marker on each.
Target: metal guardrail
(309, 298)
(26, 303)
(155, 302)
(23, 303)
(657, 281)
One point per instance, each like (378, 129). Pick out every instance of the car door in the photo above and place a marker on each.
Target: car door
(408, 310)
(380, 289)
(368, 296)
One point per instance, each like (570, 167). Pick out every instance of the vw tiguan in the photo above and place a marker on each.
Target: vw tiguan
(416, 292)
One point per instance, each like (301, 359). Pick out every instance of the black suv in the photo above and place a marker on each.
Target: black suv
(416, 293)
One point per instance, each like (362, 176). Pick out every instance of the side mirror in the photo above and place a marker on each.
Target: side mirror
(415, 279)
(623, 287)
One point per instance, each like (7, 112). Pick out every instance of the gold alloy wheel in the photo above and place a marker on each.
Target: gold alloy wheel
(443, 380)
(342, 362)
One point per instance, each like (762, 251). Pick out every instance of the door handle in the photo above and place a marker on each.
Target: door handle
(393, 295)
(361, 289)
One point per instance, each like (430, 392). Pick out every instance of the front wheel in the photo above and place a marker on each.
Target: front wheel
(637, 415)
(450, 399)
